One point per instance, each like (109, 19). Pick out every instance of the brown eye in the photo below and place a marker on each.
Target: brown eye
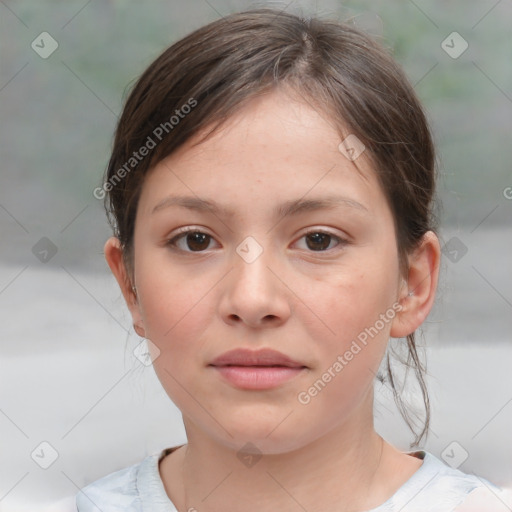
(194, 241)
(320, 241)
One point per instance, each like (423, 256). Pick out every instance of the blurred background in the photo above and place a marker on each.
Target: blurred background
(75, 402)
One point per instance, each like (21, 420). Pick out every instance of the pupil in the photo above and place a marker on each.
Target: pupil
(318, 238)
(197, 237)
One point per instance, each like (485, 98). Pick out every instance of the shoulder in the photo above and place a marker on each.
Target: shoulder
(117, 491)
(135, 488)
(114, 492)
(489, 499)
(437, 487)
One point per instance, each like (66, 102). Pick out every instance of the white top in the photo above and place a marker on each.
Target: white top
(434, 487)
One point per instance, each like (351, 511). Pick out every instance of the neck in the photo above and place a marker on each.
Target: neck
(346, 470)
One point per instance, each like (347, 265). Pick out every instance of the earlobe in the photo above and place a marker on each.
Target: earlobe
(418, 291)
(114, 257)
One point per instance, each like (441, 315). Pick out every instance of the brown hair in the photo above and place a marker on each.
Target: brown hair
(217, 68)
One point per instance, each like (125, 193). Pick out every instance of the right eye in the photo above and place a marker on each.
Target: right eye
(194, 240)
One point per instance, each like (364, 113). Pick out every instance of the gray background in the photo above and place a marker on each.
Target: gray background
(68, 374)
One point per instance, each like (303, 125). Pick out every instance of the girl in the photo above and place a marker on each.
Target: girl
(270, 189)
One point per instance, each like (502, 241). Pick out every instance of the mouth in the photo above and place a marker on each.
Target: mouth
(258, 370)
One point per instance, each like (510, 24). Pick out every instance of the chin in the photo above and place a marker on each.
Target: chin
(262, 445)
(265, 437)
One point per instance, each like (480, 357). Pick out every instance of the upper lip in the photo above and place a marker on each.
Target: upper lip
(263, 357)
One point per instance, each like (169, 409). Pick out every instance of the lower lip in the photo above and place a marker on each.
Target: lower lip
(258, 377)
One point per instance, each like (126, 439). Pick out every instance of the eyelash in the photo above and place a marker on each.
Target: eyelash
(185, 231)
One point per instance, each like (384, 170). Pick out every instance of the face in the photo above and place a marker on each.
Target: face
(299, 256)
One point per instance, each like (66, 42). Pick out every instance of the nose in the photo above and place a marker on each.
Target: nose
(255, 293)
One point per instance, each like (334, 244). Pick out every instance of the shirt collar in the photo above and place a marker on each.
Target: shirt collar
(151, 489)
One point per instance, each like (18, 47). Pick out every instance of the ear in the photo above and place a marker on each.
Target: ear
(418, 291)
(114, 256)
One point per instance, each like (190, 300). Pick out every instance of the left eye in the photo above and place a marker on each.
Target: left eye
(319, 241)
(197, 241)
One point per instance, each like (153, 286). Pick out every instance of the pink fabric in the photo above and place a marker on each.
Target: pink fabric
(485, 500)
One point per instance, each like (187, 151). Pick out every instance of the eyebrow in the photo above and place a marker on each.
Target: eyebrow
(292, 207)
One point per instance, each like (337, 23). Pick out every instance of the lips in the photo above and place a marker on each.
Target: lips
(262, 358)
(260, 370)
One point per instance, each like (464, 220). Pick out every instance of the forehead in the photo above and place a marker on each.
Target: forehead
(276, 147)
(280, 121)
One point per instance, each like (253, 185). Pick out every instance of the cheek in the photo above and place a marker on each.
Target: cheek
(349, 357)
(175, 310)
(175, 321)
(350, 330)
(348, 303)
(174, 317)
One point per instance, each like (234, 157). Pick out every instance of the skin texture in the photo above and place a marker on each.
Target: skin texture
(306, 298)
